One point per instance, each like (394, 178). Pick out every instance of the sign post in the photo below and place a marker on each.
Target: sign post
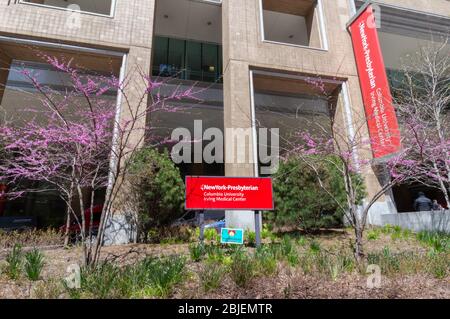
(230, 193)
(258, 228)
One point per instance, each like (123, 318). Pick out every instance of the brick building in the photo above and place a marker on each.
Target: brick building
(248, 53)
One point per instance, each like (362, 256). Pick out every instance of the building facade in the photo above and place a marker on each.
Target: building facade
(255, 58)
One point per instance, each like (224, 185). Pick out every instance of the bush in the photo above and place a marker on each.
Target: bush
(211, 276)
(301, 201)
(34, 263)
(156, 190)
(242, 268)
(14, 262)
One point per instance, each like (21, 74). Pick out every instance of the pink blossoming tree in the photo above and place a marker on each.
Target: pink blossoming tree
(78, 143)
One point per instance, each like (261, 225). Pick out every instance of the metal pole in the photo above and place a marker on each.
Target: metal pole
(255, 156)
(201, 223)
(258, 228)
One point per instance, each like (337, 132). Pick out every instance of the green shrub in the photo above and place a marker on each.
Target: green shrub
(215, 253)
(14, 262)
(51, 289)
(293, 258)
(287, 246)
(439, 265)
(388, 262)
(301, 201)
(373, 234)
(212, 235)
(314, 247)
(251, 238)
(156, 189)
(151, 277)
(197, 251)
(266, 260)
(437, 241)
(266, 232)
(211, 276)
(34, 263)
(242, 268)
(165, 274)
(301, 241)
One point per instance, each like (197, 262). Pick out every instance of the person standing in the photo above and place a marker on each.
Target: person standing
(422, 203)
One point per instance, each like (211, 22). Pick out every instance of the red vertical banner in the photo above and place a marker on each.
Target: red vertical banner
(380, 113)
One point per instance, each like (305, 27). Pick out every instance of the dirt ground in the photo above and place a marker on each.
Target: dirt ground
(288, 283)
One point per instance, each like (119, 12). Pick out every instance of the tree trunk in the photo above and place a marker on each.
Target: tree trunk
(66, 232)
(359, 251)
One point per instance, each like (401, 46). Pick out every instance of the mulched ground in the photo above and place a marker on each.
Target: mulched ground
(289, 283)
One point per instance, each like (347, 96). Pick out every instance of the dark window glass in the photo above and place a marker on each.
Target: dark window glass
(176, 57)
(194, 61)
(160, 55)
(188, 60)
(209, 62)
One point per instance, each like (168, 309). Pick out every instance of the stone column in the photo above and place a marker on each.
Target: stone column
(5, 64)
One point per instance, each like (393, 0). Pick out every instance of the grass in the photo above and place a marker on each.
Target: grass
(373, 234)
(211, 235)
(197, 251)
(266, 261)
(437, 241)
(211, 276)
(14, 262)
(34, 263)
(242, 268)
(151, 277)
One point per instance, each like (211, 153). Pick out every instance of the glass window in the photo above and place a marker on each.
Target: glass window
(188, 60)
(175, 59)
(103, 7)
(194, 61)
(209, 64)
(161, 47)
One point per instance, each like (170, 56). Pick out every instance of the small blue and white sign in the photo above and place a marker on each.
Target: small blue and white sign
(232, 236)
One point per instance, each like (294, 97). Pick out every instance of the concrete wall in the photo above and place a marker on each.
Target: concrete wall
(417, 221)
(440, 7)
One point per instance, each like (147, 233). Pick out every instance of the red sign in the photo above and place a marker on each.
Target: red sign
(380, 113)
(229, 193)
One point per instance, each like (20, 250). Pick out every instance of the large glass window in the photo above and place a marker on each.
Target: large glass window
(187, 60)
(296, 22)
(207, 108)
(292, 105)
(102, 7)
(18, 95)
